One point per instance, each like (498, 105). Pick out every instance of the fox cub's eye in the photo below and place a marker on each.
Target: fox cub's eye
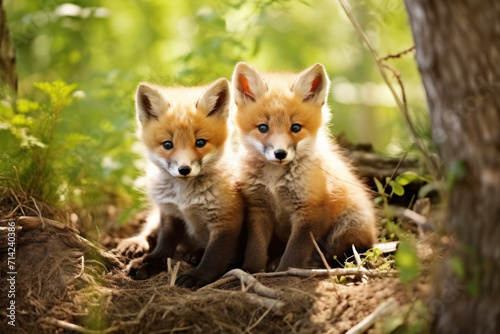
(263, 128)
(201, 143)
(296, 127)
(168, 145)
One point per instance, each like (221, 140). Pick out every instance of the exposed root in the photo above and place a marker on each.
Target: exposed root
(252, 282)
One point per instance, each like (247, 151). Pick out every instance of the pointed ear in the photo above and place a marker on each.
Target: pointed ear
(248, 84)
(149, 102)
(312, 84)
(216, 99)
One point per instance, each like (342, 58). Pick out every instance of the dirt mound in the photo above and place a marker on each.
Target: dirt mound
(66, 284)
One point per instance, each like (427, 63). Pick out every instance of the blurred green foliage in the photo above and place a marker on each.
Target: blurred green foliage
(107, 47)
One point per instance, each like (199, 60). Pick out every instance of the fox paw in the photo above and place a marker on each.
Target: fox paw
(133, 247)
(145, 267)
(192, 280)
(194, 257)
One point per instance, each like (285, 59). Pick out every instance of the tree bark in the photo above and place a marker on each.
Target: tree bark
(458, 54)
(7, 54)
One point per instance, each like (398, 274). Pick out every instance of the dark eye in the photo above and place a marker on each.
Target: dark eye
(168, 145)
(201, 143)
(263, 128)
(296, 127)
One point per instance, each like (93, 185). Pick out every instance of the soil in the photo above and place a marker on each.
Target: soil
(64, 284)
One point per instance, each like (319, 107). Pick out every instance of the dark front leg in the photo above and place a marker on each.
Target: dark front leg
(215, 260)
(299, 247)
(170, 233)
(260, 230)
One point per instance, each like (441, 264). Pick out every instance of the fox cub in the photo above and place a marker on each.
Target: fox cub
(294, 180)
(190, 180)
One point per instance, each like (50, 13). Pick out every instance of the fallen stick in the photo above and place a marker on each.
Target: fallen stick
(380, 312)
(32, 222)
(69, 326)
(173, 276)
(325, 263)
(251, 281)
(359, 263)
(413, 216)
(333, 272)
(227, 278)
(276, 305)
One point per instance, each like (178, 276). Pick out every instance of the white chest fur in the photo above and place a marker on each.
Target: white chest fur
(286, 188)
(194, 201)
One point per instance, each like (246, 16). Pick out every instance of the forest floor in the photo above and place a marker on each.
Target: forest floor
(66, 284)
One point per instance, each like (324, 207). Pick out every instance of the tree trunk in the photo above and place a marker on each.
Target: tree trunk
(7, 54)
(458, 54)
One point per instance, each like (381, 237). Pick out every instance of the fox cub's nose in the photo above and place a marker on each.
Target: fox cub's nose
(184, 170)
(280, 154)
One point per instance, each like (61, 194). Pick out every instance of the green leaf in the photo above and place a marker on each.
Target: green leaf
(25, 106)
(58, 90)
(407, 261)
(428, 188)
(397, 188)
(407, 178)
(379, 185)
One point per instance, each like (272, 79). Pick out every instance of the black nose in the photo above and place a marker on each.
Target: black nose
(280, 154)
(184, 170)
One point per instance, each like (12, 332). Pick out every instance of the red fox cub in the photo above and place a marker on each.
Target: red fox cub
(190, 180)
(294, 180)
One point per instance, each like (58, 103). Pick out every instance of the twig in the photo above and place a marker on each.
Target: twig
(333, 272)
(15, 196)
(397, 75)
(81, 271)
(39, 212)
(380, 312)
(357, 257)
(395, 170)
(387, 247)
(413, 216)
(325, 263)
(397, 55)
(32, 222)
(364, 279)
(258, 287)
(219, 282)
(276, 305)
(69, 326)
(414, 136)
(173, 277)
(309, 273)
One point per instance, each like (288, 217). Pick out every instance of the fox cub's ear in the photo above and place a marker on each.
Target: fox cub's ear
(149, 102)
(248, 84)
(312, 84)
(216, 99)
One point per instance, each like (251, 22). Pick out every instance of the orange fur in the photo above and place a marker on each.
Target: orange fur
(312, 189)
(192, 186)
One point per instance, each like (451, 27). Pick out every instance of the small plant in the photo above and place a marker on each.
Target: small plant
(391, 230)
(36, 155)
